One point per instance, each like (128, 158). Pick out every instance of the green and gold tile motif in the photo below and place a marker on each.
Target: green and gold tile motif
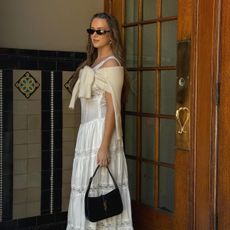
(27, 85)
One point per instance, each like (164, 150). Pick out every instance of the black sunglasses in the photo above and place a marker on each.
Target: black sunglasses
(99, 32)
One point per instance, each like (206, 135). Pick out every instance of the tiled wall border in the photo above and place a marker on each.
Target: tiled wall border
(51, 142)
(1, 146)
(7, 135)
(40, 59)
(46, 61)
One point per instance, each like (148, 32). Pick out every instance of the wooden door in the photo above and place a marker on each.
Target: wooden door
(223, 172)
(172, 55)
(200, 178)
(157, 147)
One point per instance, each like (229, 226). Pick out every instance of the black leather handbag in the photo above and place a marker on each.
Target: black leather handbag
(103, 206)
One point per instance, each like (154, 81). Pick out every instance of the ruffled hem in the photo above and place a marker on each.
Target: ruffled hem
(123, 226)
(129, 227)
(84, 165)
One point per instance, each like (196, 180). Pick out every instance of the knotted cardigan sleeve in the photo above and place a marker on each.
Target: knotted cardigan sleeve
(109, 79)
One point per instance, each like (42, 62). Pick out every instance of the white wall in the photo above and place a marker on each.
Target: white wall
(46, 24)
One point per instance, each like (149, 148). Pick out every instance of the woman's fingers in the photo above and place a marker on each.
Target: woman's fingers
(103, 158)
(103, 162)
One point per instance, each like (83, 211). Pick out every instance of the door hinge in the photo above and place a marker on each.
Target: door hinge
(218, 93)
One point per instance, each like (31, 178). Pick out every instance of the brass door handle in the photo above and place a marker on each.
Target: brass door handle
(180, 113)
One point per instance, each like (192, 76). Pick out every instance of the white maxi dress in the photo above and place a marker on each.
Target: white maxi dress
(89, 138)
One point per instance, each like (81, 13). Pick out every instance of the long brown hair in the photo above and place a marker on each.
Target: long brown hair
(117, 50)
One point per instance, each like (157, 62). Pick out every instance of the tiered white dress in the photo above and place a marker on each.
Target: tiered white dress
(89, 138)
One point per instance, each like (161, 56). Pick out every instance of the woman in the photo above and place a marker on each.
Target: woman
(101, 86)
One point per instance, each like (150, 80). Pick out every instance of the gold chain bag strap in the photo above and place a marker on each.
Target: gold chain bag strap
(103, 206)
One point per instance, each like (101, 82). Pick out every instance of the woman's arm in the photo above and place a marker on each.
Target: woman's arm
(103, 156)
(103, 152)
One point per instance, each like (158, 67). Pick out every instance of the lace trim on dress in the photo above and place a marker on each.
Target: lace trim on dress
(104, 225)
(99, 187)
(88, 153)
(124, 223)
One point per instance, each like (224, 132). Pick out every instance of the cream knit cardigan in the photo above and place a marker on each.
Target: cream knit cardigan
(108, 79)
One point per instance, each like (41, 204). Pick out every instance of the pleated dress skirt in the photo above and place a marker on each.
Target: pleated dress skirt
(84, 164)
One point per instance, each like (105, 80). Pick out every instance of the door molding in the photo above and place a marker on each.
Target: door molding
(205, 37)
(223, 175)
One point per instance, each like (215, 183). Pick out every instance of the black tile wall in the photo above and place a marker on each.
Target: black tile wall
(44, 222)
(46, 61)
(40, 60)
(7, 158)
(57, 141)
(46, 144)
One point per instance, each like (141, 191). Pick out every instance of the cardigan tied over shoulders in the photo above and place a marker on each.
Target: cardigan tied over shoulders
(108, 79)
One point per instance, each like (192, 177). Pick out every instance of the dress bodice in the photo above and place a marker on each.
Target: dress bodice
(95, 107)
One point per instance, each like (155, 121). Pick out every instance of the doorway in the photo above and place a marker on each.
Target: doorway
(157, 145)
(150, 38)
(170, 121)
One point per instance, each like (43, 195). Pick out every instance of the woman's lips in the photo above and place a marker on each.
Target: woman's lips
(95, 41)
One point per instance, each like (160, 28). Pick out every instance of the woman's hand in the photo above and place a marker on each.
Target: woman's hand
(103, 157)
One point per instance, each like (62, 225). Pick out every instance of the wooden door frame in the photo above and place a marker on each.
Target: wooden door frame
(201, 24)
(223, 171)
(206, 57)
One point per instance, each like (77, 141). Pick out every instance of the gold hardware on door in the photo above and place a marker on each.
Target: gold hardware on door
(183, 63)
(180, 114)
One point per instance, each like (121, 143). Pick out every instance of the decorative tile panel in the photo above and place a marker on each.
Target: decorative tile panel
(27, 135)
(67, 84)
(25, 115)
(70, 121)
(27, 85)
(51, 142)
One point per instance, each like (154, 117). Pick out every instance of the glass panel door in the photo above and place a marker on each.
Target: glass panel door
(150, 28)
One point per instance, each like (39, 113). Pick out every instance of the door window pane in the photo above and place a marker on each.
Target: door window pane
(166, 188)
(131, 164)
(168, 92)
(131, 11)
(149, 45)
(131, 104)
(169, 8)
(149, 92)
(130, 135)
(167, 140)
(131, 46)
(148, 138)
(168, 43)
(147, 183)
(149, 9)
(150, 48)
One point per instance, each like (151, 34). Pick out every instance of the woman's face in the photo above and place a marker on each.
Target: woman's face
(100, 40)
